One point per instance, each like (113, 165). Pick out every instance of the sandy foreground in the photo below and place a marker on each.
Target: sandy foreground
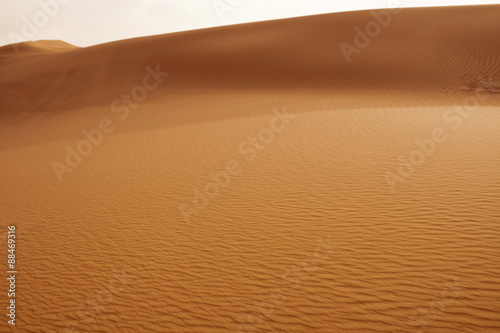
(286, 176)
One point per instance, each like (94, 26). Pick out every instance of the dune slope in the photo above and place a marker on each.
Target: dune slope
(440, 55)
(250, 179)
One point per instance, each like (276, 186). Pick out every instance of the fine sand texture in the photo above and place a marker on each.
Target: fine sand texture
(253, 178)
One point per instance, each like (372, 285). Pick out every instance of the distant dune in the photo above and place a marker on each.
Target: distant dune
(329, 173)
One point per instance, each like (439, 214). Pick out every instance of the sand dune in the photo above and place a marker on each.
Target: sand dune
(439, 56)
(251, 178)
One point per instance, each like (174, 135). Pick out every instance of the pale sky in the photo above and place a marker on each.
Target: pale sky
(89, 22)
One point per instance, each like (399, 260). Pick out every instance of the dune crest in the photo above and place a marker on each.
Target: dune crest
(298, 53)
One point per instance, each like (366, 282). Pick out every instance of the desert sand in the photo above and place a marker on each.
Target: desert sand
(250, 178)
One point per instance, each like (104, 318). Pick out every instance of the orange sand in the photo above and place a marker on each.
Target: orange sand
(306, 235)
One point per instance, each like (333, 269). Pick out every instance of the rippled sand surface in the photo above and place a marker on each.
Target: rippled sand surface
(320, 221)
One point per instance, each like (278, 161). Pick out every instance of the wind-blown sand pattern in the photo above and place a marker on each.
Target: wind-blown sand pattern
(308, 236)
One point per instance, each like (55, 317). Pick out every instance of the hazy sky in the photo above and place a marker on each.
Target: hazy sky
(88, 22)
